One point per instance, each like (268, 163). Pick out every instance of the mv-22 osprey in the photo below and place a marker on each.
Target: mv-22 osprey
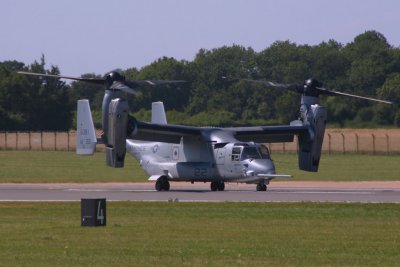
(169, 152)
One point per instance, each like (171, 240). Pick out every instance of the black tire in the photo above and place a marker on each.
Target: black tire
(214, 186)
(162, 184)
(221, 186)
(261, 187)
(166, 185)
(159, 185)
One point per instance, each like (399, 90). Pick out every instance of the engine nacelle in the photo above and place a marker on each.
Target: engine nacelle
(310, 145)
(116, 132)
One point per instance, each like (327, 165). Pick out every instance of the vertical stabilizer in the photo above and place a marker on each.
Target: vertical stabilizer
(86, 136)
(158, 113)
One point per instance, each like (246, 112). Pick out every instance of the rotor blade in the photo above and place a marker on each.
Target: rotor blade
(129, 85)
(285, 86)
(161, 82)
(324, 91)
(123, 87)
(134, 83)
(90, 80)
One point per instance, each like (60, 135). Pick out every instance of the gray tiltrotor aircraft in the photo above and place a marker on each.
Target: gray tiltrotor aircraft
(200, 154)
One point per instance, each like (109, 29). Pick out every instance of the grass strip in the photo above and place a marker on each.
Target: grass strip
(199, 234)
(60, 166)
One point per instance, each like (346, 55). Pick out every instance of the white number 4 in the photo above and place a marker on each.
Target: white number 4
(100, 215)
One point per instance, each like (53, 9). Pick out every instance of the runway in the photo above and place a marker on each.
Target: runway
(358, 192)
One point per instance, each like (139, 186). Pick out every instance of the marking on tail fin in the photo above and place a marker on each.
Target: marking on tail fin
(158, 113)
(86, 135)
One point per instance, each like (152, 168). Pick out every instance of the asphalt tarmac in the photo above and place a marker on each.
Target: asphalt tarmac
(359, 192)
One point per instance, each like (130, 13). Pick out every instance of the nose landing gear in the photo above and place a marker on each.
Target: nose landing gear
(162, 184)
(218, 185)
(261, 186)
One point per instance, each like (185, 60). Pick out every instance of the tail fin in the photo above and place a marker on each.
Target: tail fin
(86, 136)
(158, 113)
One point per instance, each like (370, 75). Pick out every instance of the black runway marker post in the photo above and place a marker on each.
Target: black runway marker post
(93, 212)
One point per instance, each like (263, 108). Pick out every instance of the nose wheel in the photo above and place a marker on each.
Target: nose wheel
(162, 184)
(261, 187)
(218, 185)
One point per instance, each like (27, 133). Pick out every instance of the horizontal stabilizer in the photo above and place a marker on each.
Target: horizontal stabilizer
(86, 135)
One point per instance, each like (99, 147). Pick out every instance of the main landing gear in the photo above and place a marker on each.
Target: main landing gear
(218, 185)
(261, 186)
(162, 184)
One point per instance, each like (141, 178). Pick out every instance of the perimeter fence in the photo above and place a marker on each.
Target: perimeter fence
(374, 141)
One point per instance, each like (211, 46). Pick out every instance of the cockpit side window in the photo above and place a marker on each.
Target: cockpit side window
(236, 150)
(250, 152)
(264, 152)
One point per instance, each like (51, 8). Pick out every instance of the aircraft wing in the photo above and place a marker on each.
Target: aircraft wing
(170, 133)
(269, 134)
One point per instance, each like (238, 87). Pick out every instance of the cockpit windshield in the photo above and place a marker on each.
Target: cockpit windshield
(250, 152)
(255, 152)
(264, 152)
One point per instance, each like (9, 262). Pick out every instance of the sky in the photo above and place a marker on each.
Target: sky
(96, 36)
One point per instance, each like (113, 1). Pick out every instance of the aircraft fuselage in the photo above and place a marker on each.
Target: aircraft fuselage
(203, 162)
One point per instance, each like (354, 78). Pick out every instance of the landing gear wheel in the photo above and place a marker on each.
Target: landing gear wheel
(217, 186)
(166, 186)
(221, 186)
(162, 184)
(214, 186)
(158, 185)
(261, 187)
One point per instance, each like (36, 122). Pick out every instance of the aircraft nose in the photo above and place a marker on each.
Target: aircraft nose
(264, 166)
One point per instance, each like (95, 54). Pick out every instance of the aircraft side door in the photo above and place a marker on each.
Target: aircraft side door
(220, 156)
(236, 165)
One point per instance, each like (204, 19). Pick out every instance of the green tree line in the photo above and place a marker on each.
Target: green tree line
(368, 66)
